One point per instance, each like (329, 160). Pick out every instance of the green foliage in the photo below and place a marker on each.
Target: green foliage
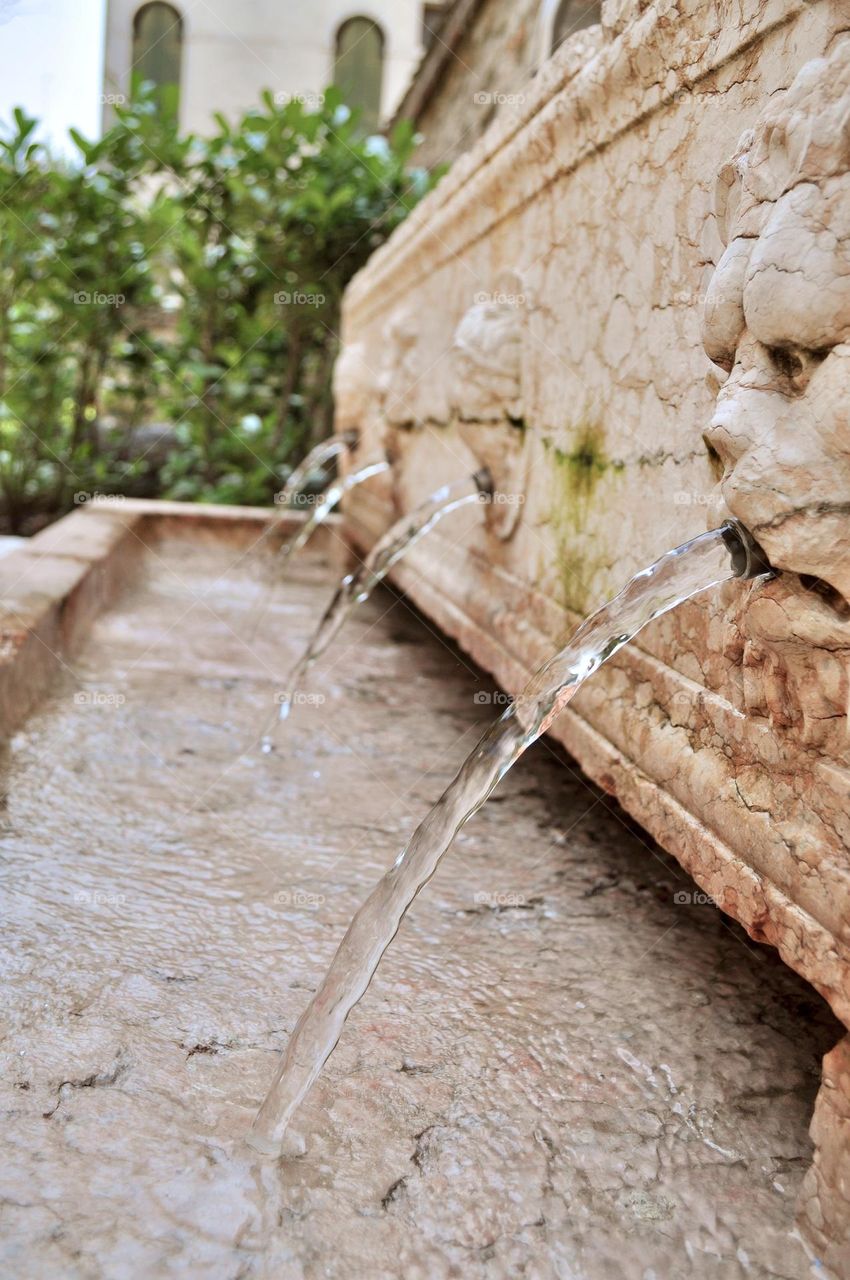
(160, 277)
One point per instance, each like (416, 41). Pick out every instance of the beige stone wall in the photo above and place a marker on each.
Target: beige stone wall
(488, 71)
(491, 63)
(576, 242)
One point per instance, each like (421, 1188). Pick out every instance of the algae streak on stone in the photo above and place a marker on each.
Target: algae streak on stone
(577, 475)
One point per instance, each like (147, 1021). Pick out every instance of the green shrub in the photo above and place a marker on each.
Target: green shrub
(197, 282)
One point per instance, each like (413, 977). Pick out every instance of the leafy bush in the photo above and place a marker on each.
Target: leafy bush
(196, 282)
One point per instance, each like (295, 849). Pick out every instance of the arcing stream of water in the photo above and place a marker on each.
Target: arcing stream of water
(315, 461)
(706, 561)
(325, 503)
(356, 587)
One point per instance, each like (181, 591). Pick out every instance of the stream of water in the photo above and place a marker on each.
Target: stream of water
(706, 561)
(316, 460)
(356, 587)
(325, 503)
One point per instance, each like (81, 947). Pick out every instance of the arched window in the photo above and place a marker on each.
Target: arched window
(571, 16)
(157, 46)
(359, 66)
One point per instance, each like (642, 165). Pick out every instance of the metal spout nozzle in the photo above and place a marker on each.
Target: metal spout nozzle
(748, 558)
(485, 482)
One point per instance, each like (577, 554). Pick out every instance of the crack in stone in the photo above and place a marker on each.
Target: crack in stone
(416, 1159)
(97, 1080)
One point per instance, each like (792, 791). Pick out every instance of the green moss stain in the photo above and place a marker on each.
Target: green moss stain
(577, 475)
(581, 468)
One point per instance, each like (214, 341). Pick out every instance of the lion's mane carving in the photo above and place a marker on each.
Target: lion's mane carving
(486, 397)
(777, 329)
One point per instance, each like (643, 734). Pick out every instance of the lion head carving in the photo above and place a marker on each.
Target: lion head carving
(777, 330)
(487, 396)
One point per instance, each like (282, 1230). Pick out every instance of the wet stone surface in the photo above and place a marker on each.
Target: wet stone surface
(569, 1064)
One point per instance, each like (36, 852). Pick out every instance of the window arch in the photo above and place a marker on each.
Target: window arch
(572, 16)
(359, 68)
(158, 48)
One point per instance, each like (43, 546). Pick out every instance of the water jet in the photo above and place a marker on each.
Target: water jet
(708, 560)
(357, 586)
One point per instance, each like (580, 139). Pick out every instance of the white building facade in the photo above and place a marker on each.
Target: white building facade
(223, 53)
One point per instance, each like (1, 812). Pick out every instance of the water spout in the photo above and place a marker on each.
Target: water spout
(708, 560)
(315, 460)
(356, 587)
(325, 503)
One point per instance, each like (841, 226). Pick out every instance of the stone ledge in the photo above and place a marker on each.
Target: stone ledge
(569, 116)
(54, 585)
(35, 591)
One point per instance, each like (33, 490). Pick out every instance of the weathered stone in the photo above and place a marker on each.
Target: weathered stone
(825, 1195)
(54, 585)
(35, 591)
(724, 729)
(486, 395)
(567, 1064)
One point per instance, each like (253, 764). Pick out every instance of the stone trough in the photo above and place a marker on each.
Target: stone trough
(570, 1063)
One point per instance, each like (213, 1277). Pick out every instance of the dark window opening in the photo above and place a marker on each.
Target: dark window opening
(572, 16)
(432, 18)
(157, 50)
(359, 68)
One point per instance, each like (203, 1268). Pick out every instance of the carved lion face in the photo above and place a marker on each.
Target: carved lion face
(777, 329)
(486, 396)
(487, 353)
(777, 326)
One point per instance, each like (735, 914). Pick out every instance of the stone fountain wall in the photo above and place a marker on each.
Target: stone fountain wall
(653, 247)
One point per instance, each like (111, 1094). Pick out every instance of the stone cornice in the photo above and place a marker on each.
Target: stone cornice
(573, 110)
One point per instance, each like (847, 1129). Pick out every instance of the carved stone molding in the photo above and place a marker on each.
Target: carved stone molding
(354, 387)
(824, 1204)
